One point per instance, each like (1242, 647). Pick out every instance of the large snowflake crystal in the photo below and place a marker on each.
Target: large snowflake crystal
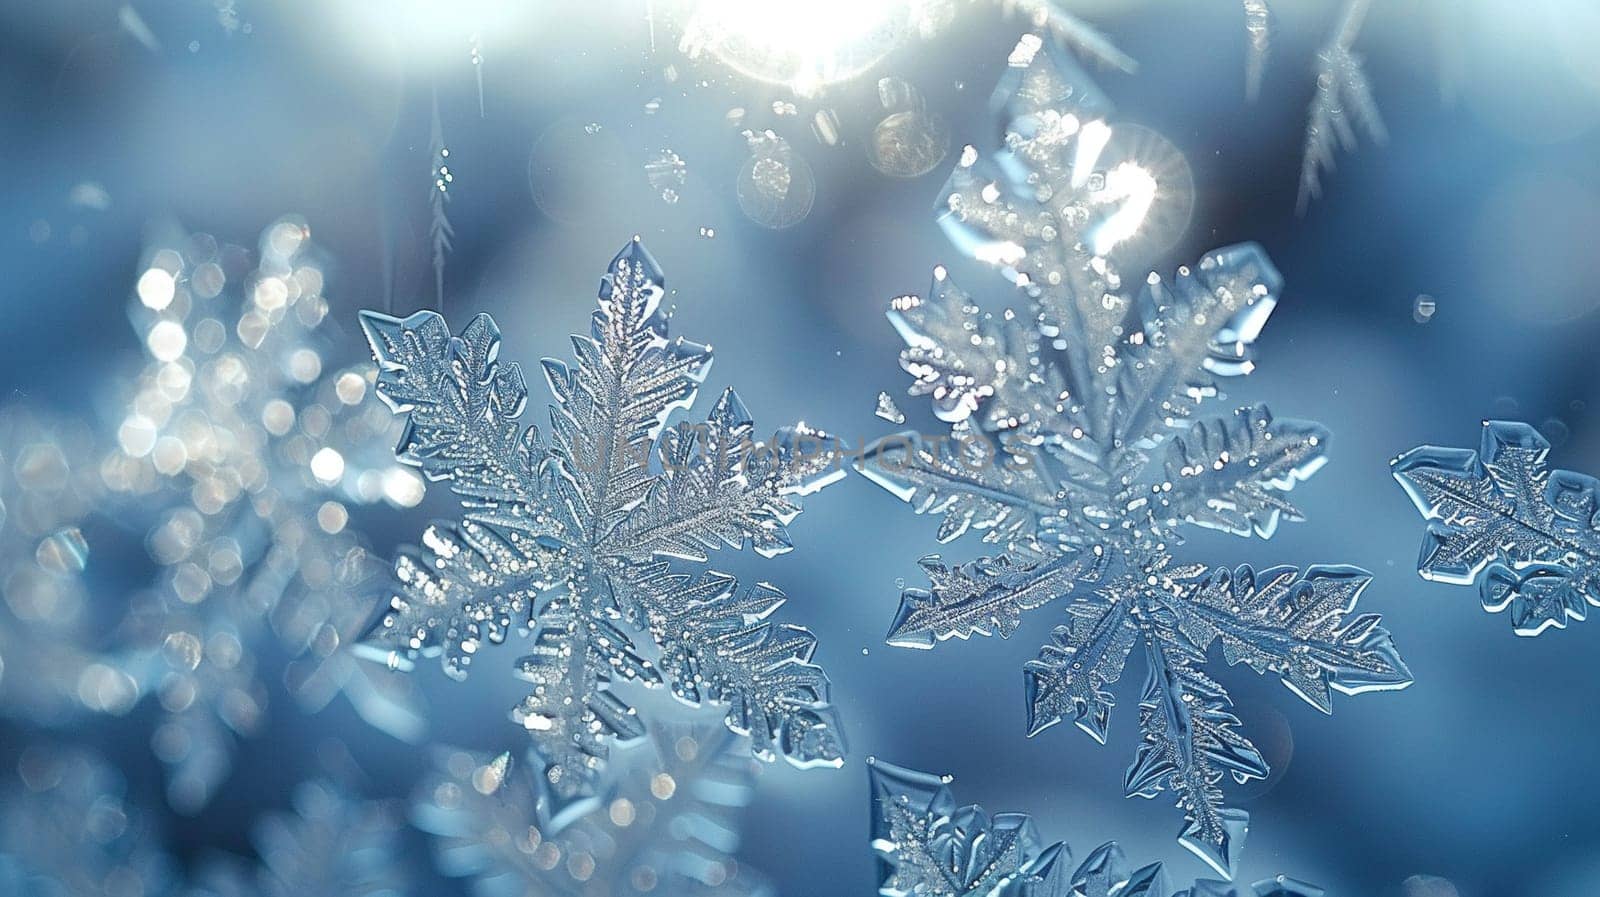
(1077, 448)
(239, 455)
(1528, 536)
(929, 847)
(667, 827)
(570, 535)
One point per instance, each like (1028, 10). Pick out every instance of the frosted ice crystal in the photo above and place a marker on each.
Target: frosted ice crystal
(929, 847)
(594, 536)
(440, 231)
(1258, 32)
(1343, 104)
(67, 829)
(1079, 449)
(667, 827)
(239, 454)
(1529, 537)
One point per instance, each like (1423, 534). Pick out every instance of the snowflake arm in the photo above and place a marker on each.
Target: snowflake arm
(1258, 32)
(1231, 473)
(1343, 104)
(1074, 32)
(1528, 536)
(984, 597)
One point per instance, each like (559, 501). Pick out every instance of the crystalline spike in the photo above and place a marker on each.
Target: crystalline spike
(565, 537)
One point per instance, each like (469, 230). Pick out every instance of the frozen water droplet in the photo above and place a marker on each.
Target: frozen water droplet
(783, 107)
(182, 651)
(775, 187)
(65, 551)
(888, 410)
(708, 232)
(652, 106)
(1423, 308)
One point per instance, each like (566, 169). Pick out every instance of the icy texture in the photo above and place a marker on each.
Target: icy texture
(595, 536)
(66, 829)
(1529, 537)
(928, 847)
(440, 232)
(330, 845)
(666, 828)
(1343, 105)
(1079, 448)
(1258, 32)
(1080, 36)
(239, 456)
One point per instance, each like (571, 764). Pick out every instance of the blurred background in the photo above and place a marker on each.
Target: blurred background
(1444, 277)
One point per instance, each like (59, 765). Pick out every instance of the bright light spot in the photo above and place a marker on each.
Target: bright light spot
(327, 465)
(156, 288)
(1134, 190)
(167, 340)
(137, 436)
(350, 387)
(332, 517)
(803, 44)
(305, 365)
(403, 487)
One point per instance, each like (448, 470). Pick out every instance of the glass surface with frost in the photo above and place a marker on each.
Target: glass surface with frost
(592, 540)
(329, 844)
(1499, 518)
(927, 846)
(1081, 446)
(668, 825)
(239, 455)
(67, 828)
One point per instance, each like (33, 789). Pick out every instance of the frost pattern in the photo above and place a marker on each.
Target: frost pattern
(1529, 537)
(1078, 449)
(1343, 104)
(667, 826)
(588, 535)
(239, 457)
(929, 847)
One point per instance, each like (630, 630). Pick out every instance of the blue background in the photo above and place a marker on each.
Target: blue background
(1487, 197)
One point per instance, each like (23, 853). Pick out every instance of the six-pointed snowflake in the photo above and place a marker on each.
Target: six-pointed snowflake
(667, 826)
(1076, 449)
(929, 847)
(592, 537)
(1529, 537)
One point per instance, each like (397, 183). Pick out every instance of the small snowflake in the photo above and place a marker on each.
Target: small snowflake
(1077, 449)
(665, 828)
(586, 536)
(928, 847)
(1528, 536)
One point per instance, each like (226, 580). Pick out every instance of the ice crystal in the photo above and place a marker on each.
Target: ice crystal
(1080, 36)
(594, 536)
(929, 847)
(240, 456)
(667, 827)
(1258, 31)
(67, 829)
(440, 231)
(1078, 449)
(1343, 105)
(330, 845)
(1529, 537)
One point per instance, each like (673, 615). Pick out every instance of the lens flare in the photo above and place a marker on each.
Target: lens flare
(803, 44)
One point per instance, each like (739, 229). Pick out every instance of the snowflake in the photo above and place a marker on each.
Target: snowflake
(1529, 537)
(66, 828)
(666, 828)
(928, 847)
(1076, 448)
(240, 455)
(330, 845)
(573, 535)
